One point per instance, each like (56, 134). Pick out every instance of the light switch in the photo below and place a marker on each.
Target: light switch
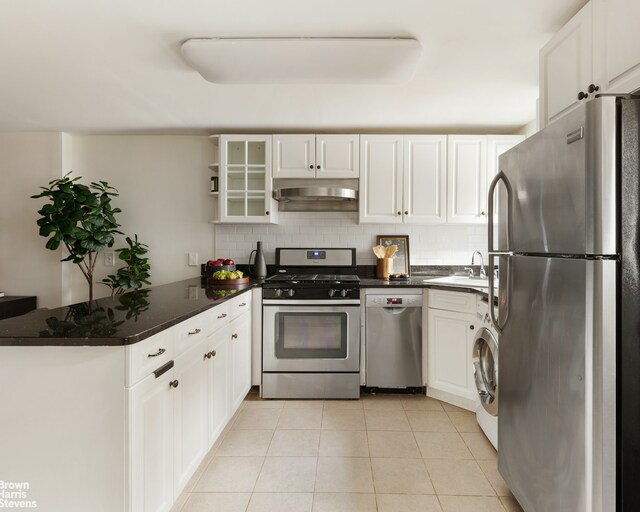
(109, 259)
(193, 259)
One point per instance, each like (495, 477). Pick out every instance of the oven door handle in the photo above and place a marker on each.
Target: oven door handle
(343, 302)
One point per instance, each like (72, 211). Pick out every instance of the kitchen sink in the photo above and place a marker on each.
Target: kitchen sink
(462, 281)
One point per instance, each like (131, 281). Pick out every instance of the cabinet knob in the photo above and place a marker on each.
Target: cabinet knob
(267, 212)
(593, 88)
(158, 353)
(207, 355)
(213, 353)
(406, 212)
(242, 305)
(223, 315)
(582, 95)
(399, 213)
(195, 331)
(234, 336)
(311, 166)
(318, 167)
(472, 327)
(482, 214)
(173, 384)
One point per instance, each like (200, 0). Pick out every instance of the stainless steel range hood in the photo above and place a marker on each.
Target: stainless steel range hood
(316, 195)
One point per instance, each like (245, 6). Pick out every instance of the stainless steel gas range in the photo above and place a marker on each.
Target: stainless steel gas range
(311, 325)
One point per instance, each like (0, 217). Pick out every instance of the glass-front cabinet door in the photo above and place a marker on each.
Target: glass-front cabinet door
(245, 181)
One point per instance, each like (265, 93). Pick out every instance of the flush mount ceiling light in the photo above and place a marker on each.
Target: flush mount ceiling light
(303, 60)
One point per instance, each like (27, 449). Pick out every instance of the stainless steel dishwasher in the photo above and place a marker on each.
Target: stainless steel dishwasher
(393, 330)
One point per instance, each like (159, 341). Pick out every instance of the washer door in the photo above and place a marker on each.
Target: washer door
(485, 369)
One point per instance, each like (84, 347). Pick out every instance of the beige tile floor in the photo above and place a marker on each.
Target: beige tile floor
(384, 453)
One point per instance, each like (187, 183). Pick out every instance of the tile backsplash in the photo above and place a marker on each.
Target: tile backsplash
(429, 244)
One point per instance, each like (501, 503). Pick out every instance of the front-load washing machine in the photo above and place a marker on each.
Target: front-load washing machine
(485, 371)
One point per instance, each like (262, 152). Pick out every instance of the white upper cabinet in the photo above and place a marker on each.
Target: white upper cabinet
(380, 179)
(616, 46)
(496, 145)
(294, 156)
(467, 179)
(424, 188)
(566, 67)
(316, 156)
(597, 51)
(245, 180)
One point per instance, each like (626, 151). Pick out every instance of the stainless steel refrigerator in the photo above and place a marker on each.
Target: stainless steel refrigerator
(564, 233)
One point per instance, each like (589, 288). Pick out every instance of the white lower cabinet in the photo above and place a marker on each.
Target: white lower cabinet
(240, 330)
(175, 418)
(151, 444)
(190, 414)
(449, 345)
(218, 383)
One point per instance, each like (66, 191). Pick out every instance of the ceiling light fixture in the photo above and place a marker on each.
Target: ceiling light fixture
(303, 60)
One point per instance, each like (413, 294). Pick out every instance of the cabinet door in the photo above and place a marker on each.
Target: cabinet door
(337, 156)
(245, 181)
(190, 414)
(218, 383)
(425, 179)
(240, 330)
(449, 351)
(566, 67)
(294, 156)
(380, 179)
(466, 179)
(496, 145)
(616, 45)
(151, 444)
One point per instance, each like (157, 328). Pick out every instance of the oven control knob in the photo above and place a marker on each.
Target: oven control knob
(278, 292)
(332, 292)
(343, 293)
(291, 292)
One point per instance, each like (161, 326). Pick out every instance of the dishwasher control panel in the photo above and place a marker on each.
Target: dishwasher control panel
(400, 301)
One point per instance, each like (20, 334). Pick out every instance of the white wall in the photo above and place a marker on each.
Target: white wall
(163, 183)
(28, 161)
(428, 244)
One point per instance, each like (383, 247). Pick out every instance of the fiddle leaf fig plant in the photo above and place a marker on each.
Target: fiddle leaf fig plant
(136, 270)
(81, 218)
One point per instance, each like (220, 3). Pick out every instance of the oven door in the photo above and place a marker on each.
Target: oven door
(298, 337)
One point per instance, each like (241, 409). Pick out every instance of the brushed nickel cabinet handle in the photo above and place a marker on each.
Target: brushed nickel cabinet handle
(158, 353)
(174, 384)
(213, 353)
(207, 355)
(242, 305)
(195, 331)
(235, 336)
(223, 315)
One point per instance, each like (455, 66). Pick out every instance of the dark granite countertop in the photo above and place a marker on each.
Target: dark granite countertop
(120, 320)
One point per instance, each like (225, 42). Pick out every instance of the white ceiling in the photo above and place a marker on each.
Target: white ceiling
(90, 66)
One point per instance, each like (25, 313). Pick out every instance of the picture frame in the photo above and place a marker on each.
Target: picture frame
(401, 261)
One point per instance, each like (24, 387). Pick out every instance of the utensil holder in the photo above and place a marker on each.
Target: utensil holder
(384, 267)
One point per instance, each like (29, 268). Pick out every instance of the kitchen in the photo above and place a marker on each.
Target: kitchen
(43, 140)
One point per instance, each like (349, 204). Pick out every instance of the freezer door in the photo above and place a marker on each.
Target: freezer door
(562, 197)
(556, 416)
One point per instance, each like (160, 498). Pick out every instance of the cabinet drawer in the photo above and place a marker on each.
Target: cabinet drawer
(145, 357)
(239, 305)
(218, 317)
(452, 301)
(192, 331)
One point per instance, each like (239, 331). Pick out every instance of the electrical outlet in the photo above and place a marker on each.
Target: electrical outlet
(193, 259)
(109, 259)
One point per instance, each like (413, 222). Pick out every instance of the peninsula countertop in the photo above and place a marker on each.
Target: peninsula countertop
(120, 320)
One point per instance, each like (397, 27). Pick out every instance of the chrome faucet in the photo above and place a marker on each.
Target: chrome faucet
(483, 274)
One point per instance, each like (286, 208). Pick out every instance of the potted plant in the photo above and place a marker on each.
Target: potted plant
(136, 270)
(81, 218)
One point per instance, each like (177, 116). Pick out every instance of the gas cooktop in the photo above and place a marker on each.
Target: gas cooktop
(315, 278)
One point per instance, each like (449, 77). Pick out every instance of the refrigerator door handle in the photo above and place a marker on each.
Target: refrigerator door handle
(492, 189)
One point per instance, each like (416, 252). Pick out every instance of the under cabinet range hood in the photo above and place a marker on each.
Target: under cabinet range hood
(316, 195)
